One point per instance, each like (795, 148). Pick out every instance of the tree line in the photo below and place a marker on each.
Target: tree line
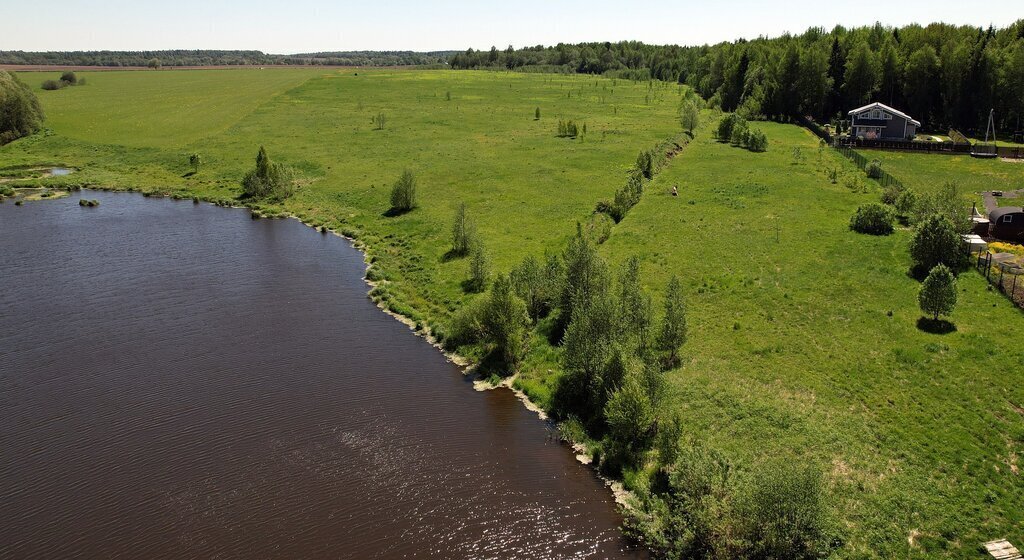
(943, 75)
(221, 58)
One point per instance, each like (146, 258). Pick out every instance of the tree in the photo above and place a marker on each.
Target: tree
(69, 78)
(403, 193)
(536, 284)
(268, 179)
(195, 160)
(379, 120)
(630, 416)
(463, 232)
(154, 63)
(586, 279)
(861, 78)
(536, 114)
(938, 292)
(920, 84)
(673, 326)
(935, 242)
(20, 111)
(505, 322)
(645, 163)
(689, 115)
(479, 268)
(634, 307)
(891, 67)
(587, 347)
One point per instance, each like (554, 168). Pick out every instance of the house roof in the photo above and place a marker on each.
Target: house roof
(884, 107)
(1004, 210)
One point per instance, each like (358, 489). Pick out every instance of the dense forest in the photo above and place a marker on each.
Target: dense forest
(943, 75)
(221, 58)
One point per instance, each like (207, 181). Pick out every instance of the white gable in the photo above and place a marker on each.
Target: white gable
(883, 112)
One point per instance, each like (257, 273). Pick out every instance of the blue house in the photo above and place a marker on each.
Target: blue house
(881, 122)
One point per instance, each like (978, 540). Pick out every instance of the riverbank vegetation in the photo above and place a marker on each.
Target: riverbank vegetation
(732, 354)
(20, 111)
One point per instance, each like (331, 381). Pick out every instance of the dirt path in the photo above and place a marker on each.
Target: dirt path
(990, 200)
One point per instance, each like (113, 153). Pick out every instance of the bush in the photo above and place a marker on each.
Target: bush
(891, 193)
(905, 203)
(740, 133)
(725, 126)
(403, 193)
(463, 232)
(784, 513)
(467, 325)
(268, 179)
(69, 78)
(53, 85)
(757, 141)
(537, 284)
(645, 163)
(938, 292)
(599, 228)
(874, 219)
(567, 129)
(874, 169)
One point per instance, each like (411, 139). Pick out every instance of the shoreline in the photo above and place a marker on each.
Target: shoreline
(620, 495)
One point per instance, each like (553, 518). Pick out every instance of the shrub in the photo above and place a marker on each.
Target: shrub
(948, 201)
(268, 179)
(874, 219)
(599, 228)
(52, 85)
(467, 325)
(725, 126)
(784, 513)
(740, 135)
(567, 129)
(536, 114)
(630, 417)
(874, 169)
(938, 292)
(537, 285)
(757, 141)
(69, 78)
(403, 193)
(892, 192)
(6, 190)
(905, 203)
(936, 242)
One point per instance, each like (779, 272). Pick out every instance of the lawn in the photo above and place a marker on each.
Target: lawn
(803, 339)
(925, 172)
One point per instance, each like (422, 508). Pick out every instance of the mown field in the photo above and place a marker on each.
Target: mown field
(803, 339)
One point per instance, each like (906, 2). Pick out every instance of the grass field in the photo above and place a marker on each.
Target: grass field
(925, 172)
(803, 339)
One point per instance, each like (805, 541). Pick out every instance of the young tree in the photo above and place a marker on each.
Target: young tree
(403, 193)
(587, 347)
(536, 114)
(585, 276)
(505, 322)
(634, 307)
(630, 417)
(938, 292)
(935, 242)
(673, 326)
(534, 284)
(479, 268)
(689, 115)
(463, 232)
(195, 160)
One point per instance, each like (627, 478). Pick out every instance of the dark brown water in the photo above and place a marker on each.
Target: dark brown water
(179, 381)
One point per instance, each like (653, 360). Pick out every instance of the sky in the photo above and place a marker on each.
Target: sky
(296, 26)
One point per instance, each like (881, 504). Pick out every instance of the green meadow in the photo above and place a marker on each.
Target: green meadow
(803, 341)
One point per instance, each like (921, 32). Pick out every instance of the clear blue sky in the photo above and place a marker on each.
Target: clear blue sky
(322, 25)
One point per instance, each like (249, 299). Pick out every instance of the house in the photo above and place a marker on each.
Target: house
(1007, 223)
(882, 122)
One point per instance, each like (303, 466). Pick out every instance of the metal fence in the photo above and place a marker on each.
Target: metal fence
(1007, 278)
(885, 179)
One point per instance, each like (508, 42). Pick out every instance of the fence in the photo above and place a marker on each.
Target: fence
(885, 179)
(1007, 278)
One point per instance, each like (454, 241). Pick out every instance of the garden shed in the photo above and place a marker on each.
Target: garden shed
(1007, 223)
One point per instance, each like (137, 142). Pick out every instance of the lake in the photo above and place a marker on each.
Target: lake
(180, 381)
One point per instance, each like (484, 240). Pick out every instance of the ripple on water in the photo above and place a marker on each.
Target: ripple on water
(180, 381)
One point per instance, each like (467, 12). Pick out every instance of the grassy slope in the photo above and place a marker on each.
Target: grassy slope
(791, 350)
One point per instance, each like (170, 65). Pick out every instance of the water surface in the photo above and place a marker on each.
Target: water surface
(180, 381)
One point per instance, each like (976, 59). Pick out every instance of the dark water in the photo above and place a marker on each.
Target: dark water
(179, 381)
